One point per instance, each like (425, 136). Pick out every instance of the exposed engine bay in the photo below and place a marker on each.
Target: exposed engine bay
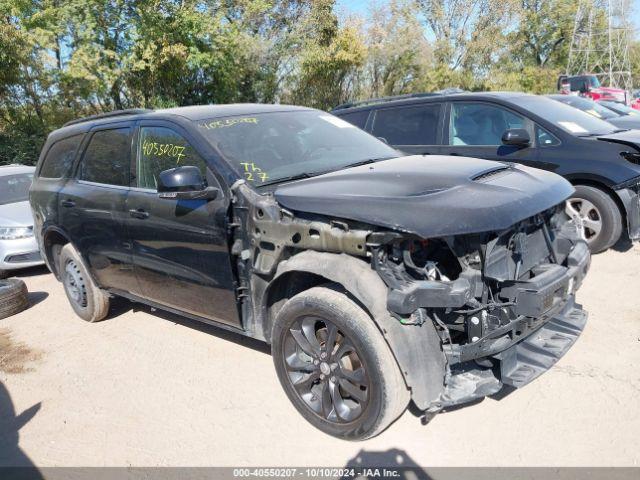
(484, 293)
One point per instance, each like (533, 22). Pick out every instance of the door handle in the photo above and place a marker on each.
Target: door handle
(68, 203)
(139, 213)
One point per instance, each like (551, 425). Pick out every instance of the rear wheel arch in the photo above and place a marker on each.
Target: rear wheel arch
(417, 349)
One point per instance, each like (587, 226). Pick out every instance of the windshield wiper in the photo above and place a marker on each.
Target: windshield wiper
(291, 178)
(301, 176)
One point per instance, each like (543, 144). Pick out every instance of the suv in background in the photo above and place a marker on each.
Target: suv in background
(601, 161)
(289, 225)
(18, 247)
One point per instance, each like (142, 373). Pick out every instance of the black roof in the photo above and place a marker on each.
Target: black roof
(192, 113)
(426, 97)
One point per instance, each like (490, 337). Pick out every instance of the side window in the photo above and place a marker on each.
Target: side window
(160, 149)
(544, 138)
(480, 123)
(59, 158)
(415, 125)
(359, 119)
(107, 158)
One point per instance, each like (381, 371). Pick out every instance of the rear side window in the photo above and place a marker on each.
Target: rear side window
(160, 149)
(359, 119)
(107, 158)
(415, 125)
(60, 157)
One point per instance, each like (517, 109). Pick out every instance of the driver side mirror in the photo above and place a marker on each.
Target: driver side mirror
(185, 183)
(517, 137)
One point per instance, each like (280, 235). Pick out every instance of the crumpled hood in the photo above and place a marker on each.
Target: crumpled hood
(16, 215)
(431, 195)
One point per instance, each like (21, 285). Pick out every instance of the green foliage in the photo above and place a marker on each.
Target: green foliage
(61, 59)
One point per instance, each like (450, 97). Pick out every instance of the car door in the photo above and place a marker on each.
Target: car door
(180, 247)
(92, 206)
(414, 129)
(475, 128)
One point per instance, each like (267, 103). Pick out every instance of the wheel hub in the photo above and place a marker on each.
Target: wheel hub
(325, 368)
(585, 217)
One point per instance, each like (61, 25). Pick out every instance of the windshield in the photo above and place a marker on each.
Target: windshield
(571, 120)
(270, 147)
(620, 108)
(15, 188)
(586, 105)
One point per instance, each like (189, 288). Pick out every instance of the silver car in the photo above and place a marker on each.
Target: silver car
(18, 247)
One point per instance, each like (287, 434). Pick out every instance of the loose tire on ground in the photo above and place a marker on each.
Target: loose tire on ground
(385, 395)
(606, 213)
(13, 297)
(88, 301)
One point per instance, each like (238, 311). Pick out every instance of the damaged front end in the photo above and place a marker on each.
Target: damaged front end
(501, 302)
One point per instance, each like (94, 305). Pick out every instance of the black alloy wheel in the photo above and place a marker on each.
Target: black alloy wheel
(326, 370)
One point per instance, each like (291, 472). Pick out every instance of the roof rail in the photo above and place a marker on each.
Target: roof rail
(115, 113)
(373, 101)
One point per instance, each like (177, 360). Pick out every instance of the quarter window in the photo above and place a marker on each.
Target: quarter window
(160, 149)
(416, 125)
(481, 124)
(545, 138)
(60, 157)
(107, 158)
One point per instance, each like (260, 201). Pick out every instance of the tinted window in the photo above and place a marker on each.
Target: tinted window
(409, 125)
(481, 123)
(160, 149)
(15, 188)
(60, 157)
(271, 147)
(359, 119)
(106, 159)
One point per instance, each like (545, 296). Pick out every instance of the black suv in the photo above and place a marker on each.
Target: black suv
(601, 160)
(376, 278)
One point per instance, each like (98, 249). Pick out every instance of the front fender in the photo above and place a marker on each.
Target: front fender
(416, 348)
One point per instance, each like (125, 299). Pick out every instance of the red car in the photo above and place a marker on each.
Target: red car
(589, 86)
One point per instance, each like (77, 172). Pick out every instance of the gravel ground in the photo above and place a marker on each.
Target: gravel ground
(151, 389)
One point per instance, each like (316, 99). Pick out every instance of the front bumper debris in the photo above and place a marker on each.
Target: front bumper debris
(521, 363)
(537, 353)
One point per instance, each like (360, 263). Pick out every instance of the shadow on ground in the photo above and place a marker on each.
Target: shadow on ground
(10, 453)
(120, 306)
(395, 460)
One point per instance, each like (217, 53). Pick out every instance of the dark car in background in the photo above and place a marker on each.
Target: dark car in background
(598, 110)
(601, 160)
(377, 278)
(619, 108)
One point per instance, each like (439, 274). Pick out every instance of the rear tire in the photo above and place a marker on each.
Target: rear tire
(14, 297)
(88, 301)
(335, 366)
(599, 215)
(3, 274)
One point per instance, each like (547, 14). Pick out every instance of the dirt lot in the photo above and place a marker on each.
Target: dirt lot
(144, 388)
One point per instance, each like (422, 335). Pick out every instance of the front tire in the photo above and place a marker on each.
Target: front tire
(598, 216)
(88, 301)
(335, 365)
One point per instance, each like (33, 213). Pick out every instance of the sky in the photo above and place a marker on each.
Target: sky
(360, 7)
